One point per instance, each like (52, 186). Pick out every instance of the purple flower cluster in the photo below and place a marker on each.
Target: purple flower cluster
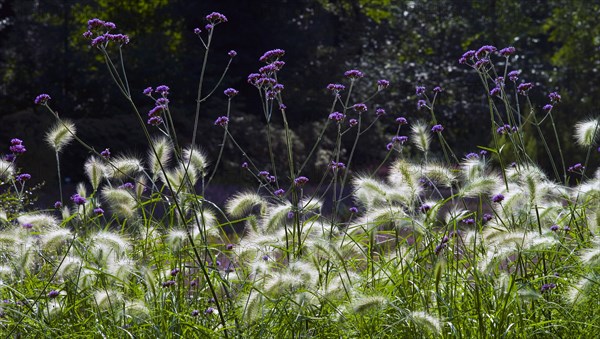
(222, 121)
(232, 53)
(353, 209)
(401, 139)
(524, 88)
(337, 165)
(337, 116)
(127, 185)
(106, 153)
(382, 84)
(353, 74)
(506, 129)
(401, 121)
(554, 97)
(336, 88)
(420, 90)
(443, 244)
(379, 112)
(468, 221)
(98, 211)
(554, 228)
(472, 155)
(78, 199)
(437, 128)
(352, 122)
(360, 107)
(496, 91)
(53, 294)
(497, 198)
(424, 208)
(421, 104)
(300, 181)
(578, 167)
(487, 217)
(508, 51)
(272, 55)
(101, 28)
(513, 75)
(17, 147)
(548, 287)
(168, 283)
(41, 99)
(231, 92)
(23, 177)
(216, 18)
(280, 192)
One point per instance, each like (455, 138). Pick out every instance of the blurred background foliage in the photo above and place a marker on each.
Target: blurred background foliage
(407, 42)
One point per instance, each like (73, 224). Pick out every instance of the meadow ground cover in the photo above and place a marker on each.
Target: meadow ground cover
(443, 245)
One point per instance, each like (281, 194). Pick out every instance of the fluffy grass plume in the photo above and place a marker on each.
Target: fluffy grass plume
(587, 132)
(61, 134)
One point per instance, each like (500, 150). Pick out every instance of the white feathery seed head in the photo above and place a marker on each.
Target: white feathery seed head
(94, 169)
(61, 134)
(587, 132)
(421, 136)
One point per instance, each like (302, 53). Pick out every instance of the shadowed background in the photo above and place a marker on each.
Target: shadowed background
(407, 42)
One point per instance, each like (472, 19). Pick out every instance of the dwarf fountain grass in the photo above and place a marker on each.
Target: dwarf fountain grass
(437, 247)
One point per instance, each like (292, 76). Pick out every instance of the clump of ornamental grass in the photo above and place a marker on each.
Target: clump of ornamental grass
(440, 246)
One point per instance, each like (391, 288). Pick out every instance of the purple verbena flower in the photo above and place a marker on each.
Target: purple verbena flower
(497, 198)
(548, 287)
(216, 18)
(382, 84)
(400, 139)
(163, 90)
(421, 103)
(484, 51)
(195, 313)
(353, 74)
(95, 23)
(272, 55)
(197, 31)
(472, 156)
(468, 221)
(300, 181)
(174, 271)
(437, 128)
(78, 199)
(229, 247)
(547, 107)
(513, 75)
(495, 91)
(336, 88)
(155, 121)
(420, 90)
(27, 226)
(41, 99)
(232, 53)
(554, 228)
(58, 205)
(280, 192)
(507, 51)
(209, 310)
(98, 211)
(106, 153)
(379, 112)
(109, 25)
(278, 88)
(222, 121)
(359, 107)
(231, 92)
(148, 91)
(554, 97)
(487, 217)
(23, 177)
(53, 294)
(263, 173)
(437, 89)
(482, 62)
(468, 55)
(168, 283)
(524, 88)
(424, 208)
(127, 185)
(578, 167)
(337, 165)
(353, 122)
(99, 40)
(353, 209)
(389, 146)
(244, 164)
(401, 121)
(337, 116)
